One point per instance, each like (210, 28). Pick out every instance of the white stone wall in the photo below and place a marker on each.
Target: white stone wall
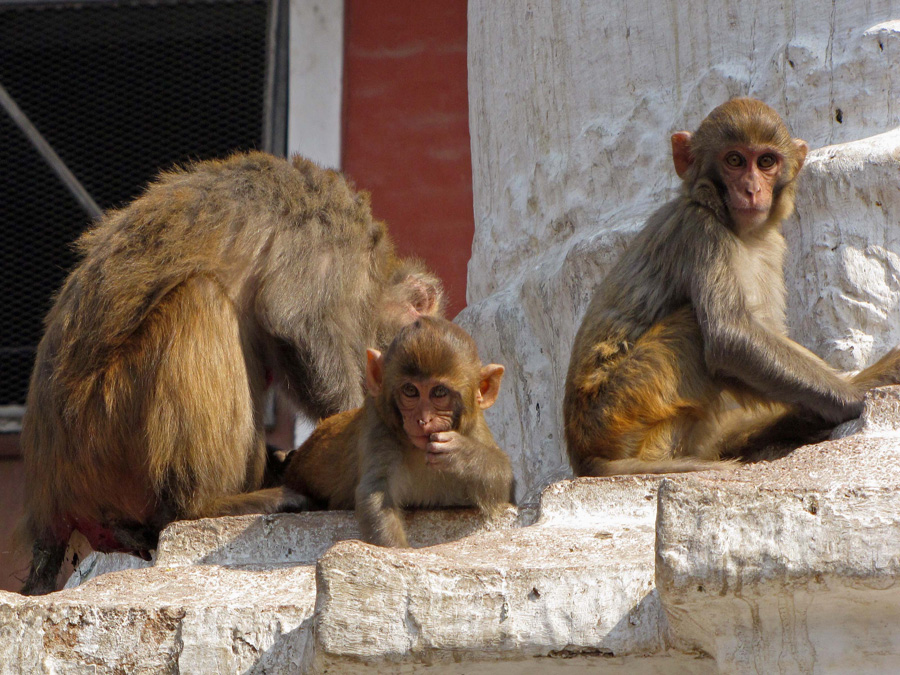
(571, 108)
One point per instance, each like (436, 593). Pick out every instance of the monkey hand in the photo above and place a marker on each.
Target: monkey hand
(443, 448)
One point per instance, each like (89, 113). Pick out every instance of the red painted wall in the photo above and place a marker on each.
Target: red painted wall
(406, 128)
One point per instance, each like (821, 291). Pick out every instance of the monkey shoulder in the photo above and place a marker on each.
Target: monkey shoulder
(484, 447)
(659, 273)
(325, 466)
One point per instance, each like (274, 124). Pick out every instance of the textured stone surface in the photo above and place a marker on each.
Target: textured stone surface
(792, 565)
(574, 591)
(778, 579)
(565, 585)
(844, 268)
(571, 108)
(783, 566)
(880, 418)
(781, 579)
(96, 564)
(301, 538)
(203, 619)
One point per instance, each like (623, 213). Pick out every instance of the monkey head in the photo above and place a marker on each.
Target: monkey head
(744, 149)
(412, 291)
(430, 380)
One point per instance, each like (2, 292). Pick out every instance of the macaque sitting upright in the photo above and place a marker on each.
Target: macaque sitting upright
(420, 439)
(683, 356)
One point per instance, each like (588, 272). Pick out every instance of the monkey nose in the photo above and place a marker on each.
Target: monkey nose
(753, 184)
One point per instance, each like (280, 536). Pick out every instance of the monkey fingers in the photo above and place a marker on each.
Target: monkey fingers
(438, 456)
(442, 447)
(447, 439)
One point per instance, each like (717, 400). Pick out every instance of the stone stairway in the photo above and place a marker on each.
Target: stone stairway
(787, 566)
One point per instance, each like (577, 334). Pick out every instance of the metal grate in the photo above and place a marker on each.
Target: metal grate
(120, 90)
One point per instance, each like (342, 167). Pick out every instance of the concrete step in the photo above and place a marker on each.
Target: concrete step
(785, 566)
(577, 584)
(580, 587)
(792, 565)
(302, 538)
(200, 619)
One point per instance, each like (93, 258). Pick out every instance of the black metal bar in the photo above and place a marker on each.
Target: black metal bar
(49, 154)
(274, 138)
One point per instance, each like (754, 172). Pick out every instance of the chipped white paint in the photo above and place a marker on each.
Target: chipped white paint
(780, 580)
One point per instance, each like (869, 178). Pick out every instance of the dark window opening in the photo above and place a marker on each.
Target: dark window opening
(120, 91)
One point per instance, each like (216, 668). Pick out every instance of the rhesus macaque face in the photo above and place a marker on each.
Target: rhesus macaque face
(750, 174)
(427, 406)
(431, 407)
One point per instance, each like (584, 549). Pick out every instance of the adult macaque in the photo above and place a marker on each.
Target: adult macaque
(420, 439)
(682, 357)
(145, 400)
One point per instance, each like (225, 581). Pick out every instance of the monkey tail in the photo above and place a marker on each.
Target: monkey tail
(595, 466)
(884, 372)
(787, 429)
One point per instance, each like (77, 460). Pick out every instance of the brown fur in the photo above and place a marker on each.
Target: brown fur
(683, 357)
(145, 400)
(364, 459)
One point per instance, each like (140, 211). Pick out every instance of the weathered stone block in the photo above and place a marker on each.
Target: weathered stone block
(202, 619)
(577, 583)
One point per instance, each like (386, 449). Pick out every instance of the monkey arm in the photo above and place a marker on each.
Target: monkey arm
(738, 346)
(377, 511)
(477, 463)
(495, 485)
(380, 520)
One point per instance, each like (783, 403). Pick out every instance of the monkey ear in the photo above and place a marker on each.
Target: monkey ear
(427, 294)
(802, 149)
(681, 152)
(374, 371)
(489, 385)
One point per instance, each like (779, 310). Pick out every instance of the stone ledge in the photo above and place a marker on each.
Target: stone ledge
(791, 565)
(202, 619)
(776, 579)
(302, 538)
(788, 565)
(534, 591)
(881, 416)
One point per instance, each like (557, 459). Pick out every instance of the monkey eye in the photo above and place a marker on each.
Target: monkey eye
(734, 159)
(440, 391)
(766, 162)
(409, 390)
